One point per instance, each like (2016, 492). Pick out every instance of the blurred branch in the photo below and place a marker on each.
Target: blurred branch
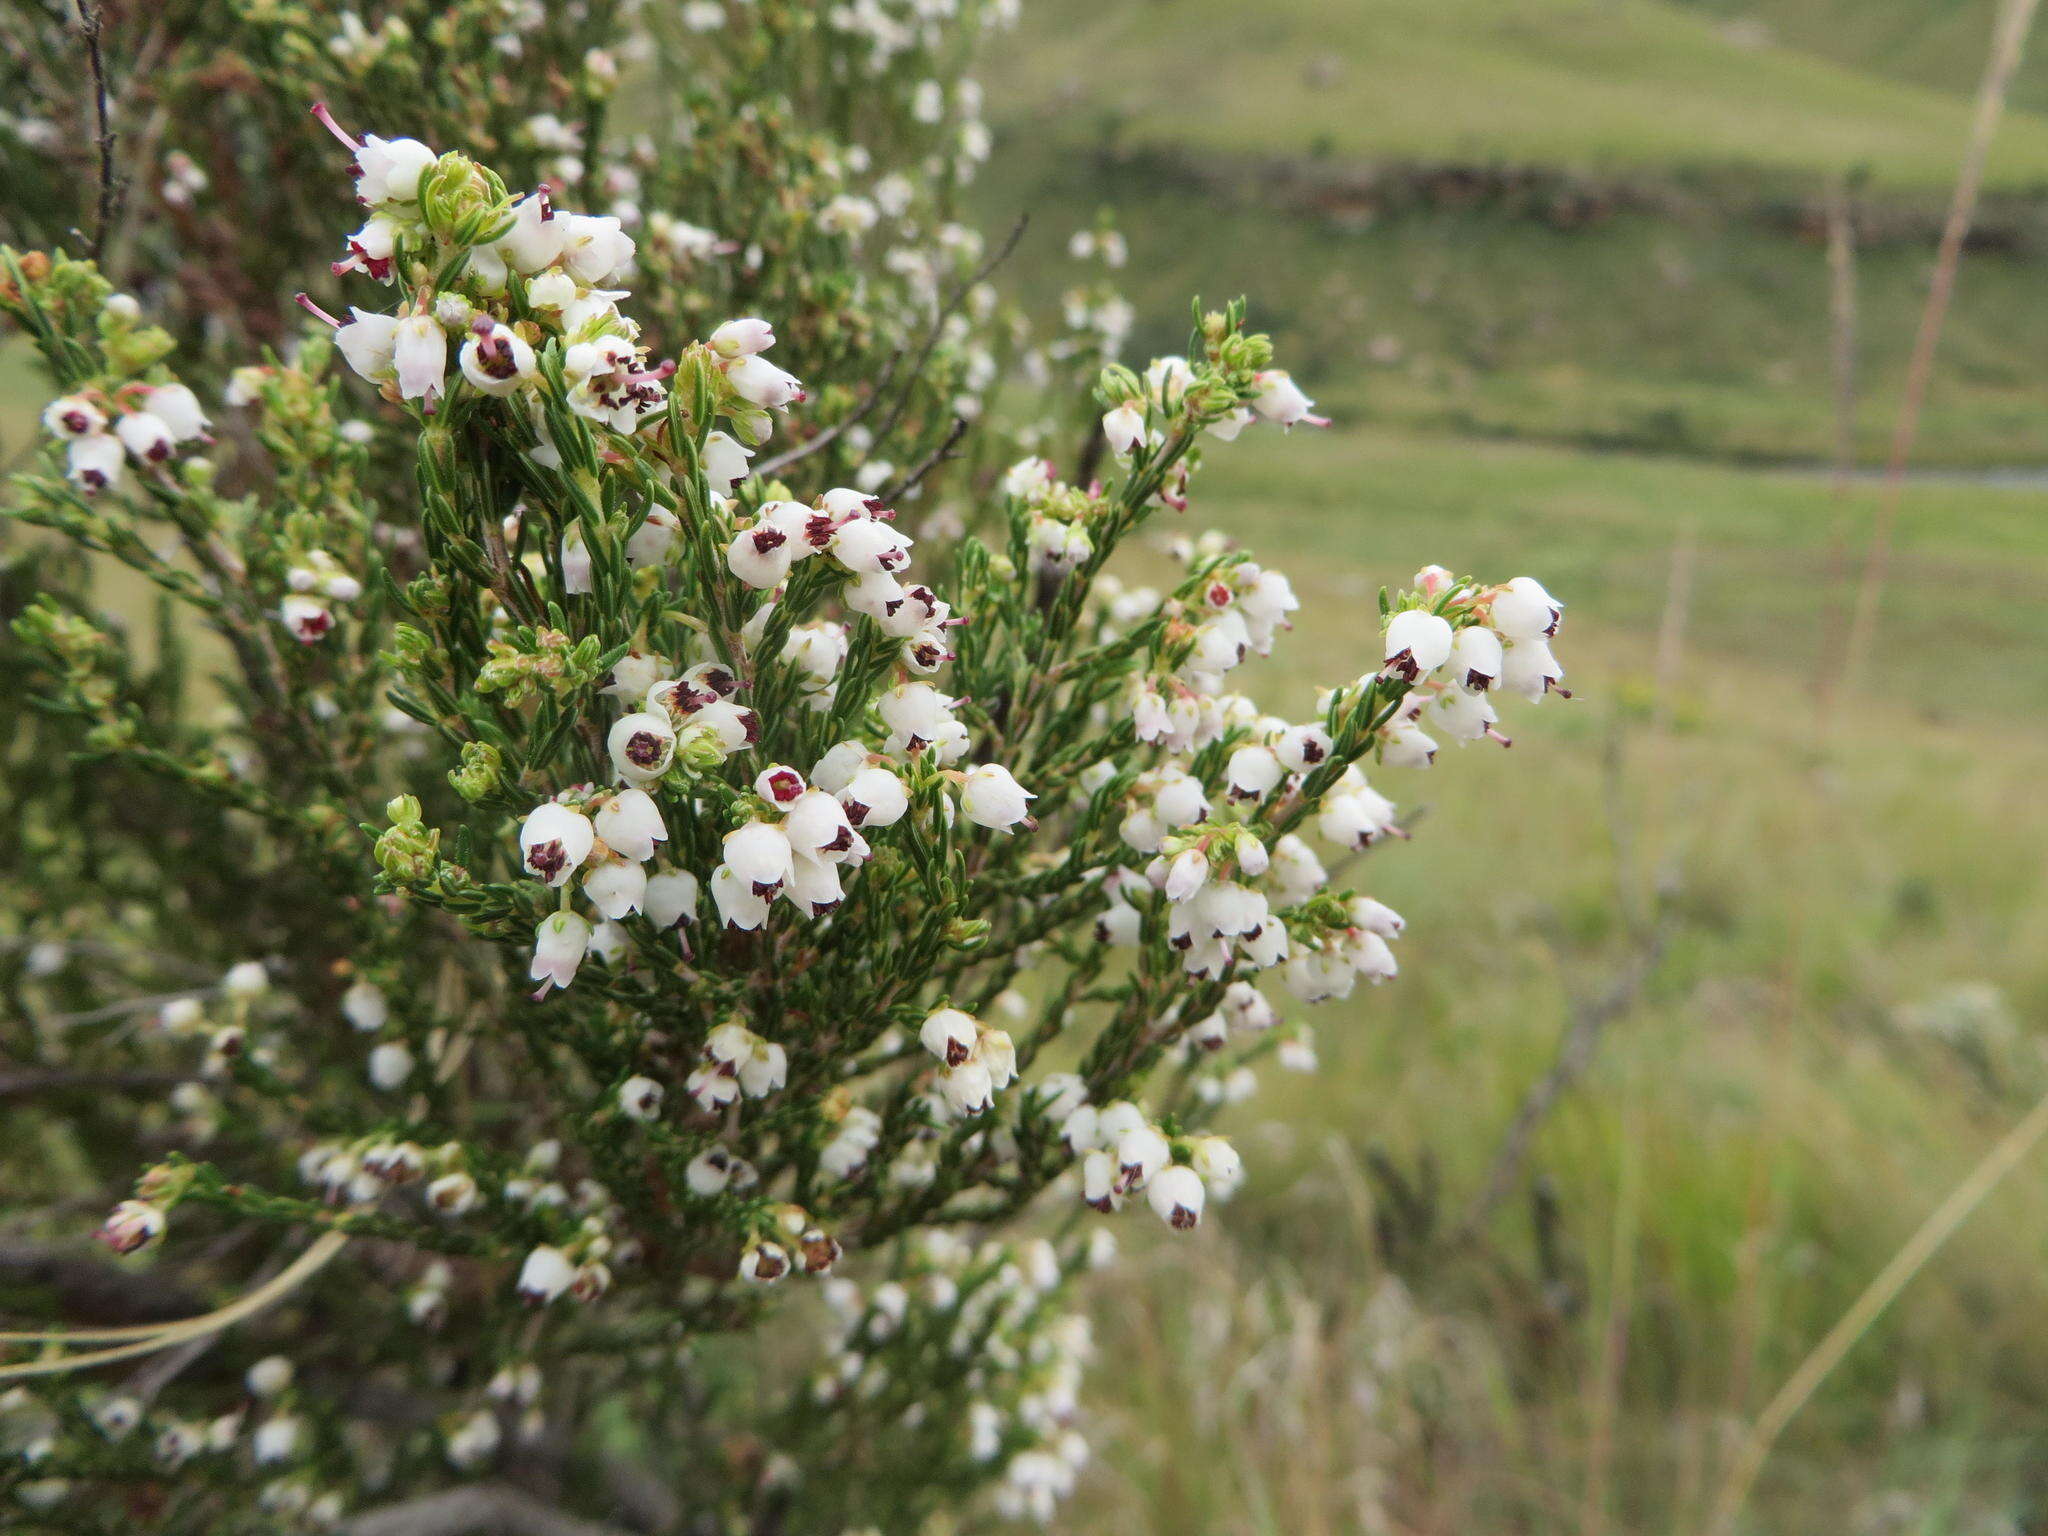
(1841, 216)
(24, 1085)
(123, 1008)
(1590, 1020)
(89, 1291)
(946, 312)
(930, 462)
(1091, 453)
(490, 1509)
(811, 445)
(91, 25)
(2007, 41)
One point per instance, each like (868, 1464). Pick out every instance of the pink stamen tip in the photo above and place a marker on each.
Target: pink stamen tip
(327, 121)
(315, 310)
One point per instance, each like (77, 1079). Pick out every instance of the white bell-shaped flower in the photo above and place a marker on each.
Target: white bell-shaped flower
(554, 840)
(630, 824)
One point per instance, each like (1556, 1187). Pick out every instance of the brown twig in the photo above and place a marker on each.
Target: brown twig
(1841, 215)
(91, 25)
(2008, 39)
(930, 462)
(26, 1085)
(1091, 453)
(946, 312)
(809, 446)
(89, 1291)
(1589, 1021)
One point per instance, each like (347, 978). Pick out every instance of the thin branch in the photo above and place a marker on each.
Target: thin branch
(805, 449)
(125, 1007)
(103, 951)
(90, 1291)
(1574, 1051)
(946, 312)
(487, 1509)
(91, 24)
(25, 1085)
(2008, 39)
(930, 462)
(149, 1341)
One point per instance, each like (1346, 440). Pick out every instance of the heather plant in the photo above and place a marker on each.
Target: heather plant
(648, 873)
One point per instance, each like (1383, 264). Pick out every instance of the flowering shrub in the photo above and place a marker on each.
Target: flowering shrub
(705, 829)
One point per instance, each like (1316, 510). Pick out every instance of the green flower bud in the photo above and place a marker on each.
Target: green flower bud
(481, 773)
(968, 934)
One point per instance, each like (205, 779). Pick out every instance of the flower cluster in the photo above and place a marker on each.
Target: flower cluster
(142, 423)
(720, 833)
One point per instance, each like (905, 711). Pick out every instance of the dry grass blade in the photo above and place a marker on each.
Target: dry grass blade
(301, 1269)
(2007, 43)
(1866, 1309)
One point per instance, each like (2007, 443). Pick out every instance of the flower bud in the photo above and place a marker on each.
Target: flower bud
(132, 1226)
(546, 1274)
(990, 797)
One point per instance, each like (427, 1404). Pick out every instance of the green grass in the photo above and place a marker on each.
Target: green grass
(1356, 509)
(1936, 43)
(1784, 1118)
(1704, 336)
(1599, 84)
(1689, 326)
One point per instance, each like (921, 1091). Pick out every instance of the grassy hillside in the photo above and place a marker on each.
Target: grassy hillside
(1666, 290)
(1350, 511)
(1610, 84)
(1937, 43)
(1699, 335)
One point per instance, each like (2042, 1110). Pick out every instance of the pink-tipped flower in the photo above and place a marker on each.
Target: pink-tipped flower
(760, 382)
(132, 1226)
(559, 944)
(1280, 400)
(742, 338)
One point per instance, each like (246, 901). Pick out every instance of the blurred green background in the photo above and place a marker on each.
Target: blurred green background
(1559, 269)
